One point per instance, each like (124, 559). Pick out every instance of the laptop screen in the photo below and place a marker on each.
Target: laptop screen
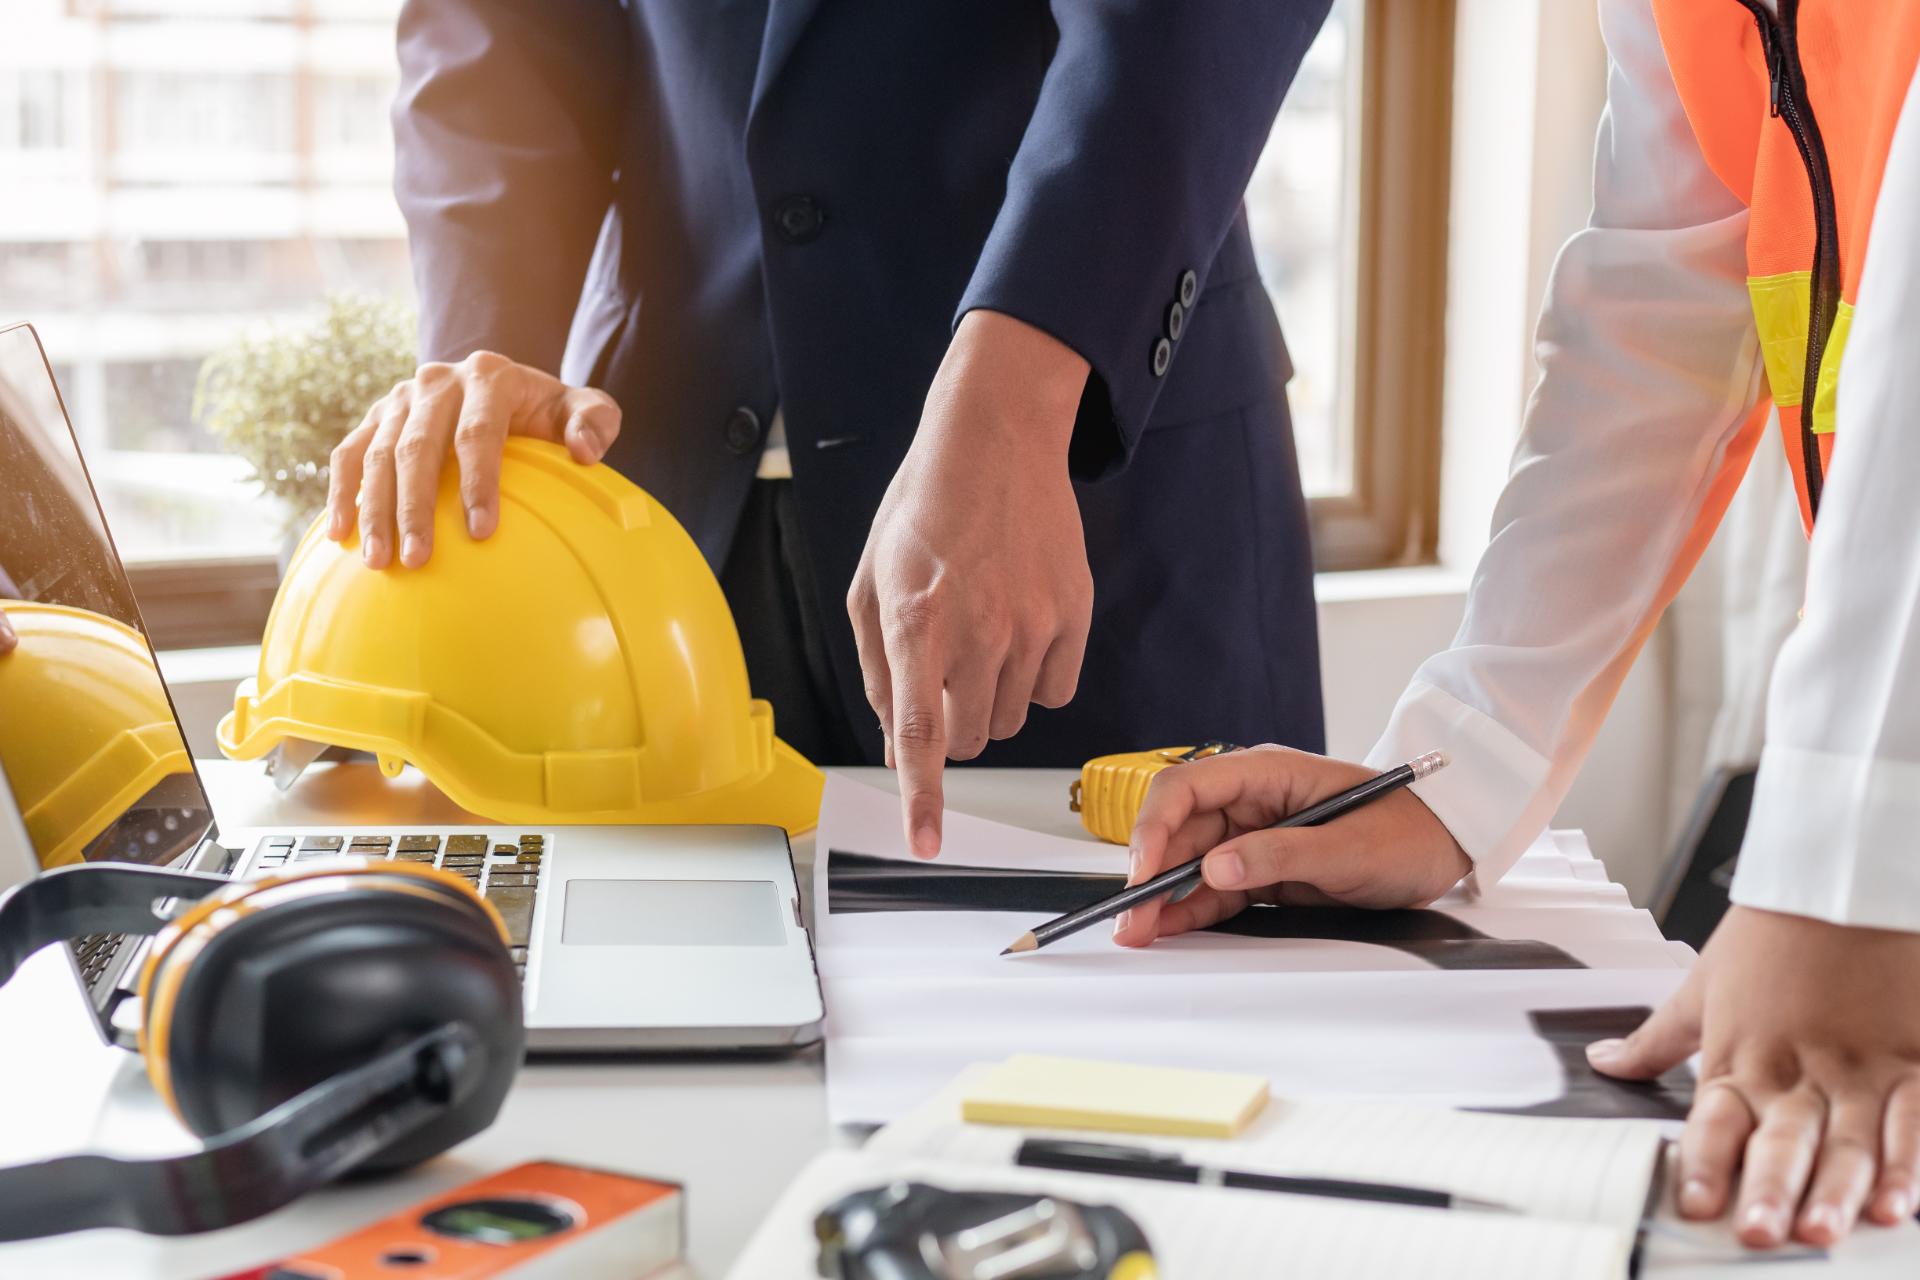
(89, 743)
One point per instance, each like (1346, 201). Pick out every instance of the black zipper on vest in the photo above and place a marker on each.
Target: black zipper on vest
(1787, 87)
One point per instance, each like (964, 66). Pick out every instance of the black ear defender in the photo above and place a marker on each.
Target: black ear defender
(348, 1018)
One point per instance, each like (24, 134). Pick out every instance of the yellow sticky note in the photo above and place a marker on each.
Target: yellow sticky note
(1116, 1097)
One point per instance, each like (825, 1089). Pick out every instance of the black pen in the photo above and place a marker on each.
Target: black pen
(1186, 876)
(1142, 1162)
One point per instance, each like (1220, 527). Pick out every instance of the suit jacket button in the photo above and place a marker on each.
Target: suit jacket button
(1162, 357)
(743, 430)
(1176, 321)
(800, 218)
(1189, 288)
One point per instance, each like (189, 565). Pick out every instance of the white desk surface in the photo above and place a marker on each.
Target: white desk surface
(733, 1132)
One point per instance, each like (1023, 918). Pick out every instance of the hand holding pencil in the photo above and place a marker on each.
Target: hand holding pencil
(1390, 853)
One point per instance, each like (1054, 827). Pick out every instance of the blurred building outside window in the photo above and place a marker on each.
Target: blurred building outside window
(177, 170)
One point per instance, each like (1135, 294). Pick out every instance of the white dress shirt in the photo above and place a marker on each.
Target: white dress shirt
(1634, 440)
(775, 462)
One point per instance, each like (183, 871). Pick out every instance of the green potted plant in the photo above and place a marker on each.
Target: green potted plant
(281, 396)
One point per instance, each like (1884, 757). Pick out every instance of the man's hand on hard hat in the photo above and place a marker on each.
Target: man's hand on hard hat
(1809, 1035)
(1392, 853)
(7, 639)
(389, 466)
(973, 596)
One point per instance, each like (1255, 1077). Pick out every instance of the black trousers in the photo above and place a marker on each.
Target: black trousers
(769, 586)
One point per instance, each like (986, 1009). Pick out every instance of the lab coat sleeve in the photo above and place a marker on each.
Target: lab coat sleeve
(1635, 438)
(1836, 810)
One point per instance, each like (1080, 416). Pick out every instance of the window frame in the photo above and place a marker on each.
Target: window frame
(205, 603)
(1393, 359)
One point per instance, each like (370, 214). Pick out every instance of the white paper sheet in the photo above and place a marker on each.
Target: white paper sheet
(1590, 1173)
(915, 995)
(866, 819)
(967, 944)
(1595, 1171)
(1450, 1039)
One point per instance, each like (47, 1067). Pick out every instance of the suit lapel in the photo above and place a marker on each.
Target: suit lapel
(786, 19)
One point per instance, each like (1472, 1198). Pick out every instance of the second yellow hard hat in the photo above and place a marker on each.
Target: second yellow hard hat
(86, 730)
(579, 666)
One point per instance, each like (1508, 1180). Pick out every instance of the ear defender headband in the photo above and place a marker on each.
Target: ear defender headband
(349, 1017)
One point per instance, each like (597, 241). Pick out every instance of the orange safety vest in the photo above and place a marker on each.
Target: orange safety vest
(1794, 111)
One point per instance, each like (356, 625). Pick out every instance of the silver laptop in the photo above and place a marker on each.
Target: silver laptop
(628, 938)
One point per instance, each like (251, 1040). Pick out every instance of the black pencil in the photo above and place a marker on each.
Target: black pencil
(1187, 874)
(1144, 1162)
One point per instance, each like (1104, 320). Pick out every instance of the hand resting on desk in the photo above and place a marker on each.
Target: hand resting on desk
(1809, 1036)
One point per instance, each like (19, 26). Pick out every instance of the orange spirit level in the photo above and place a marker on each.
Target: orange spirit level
(537, 1221)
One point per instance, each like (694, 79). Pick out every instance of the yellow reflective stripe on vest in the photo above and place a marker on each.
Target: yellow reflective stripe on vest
(1781, 305)
(1826, 390)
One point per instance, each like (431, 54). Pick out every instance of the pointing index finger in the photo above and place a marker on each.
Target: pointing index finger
(919, 734)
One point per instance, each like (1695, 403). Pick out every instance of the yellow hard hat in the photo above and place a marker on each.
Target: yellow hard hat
(85, 726)
(578, 666)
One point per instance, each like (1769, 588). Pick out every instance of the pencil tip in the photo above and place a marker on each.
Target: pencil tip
(1025, 942)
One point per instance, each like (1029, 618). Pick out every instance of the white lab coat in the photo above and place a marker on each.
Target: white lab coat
(1634, 440)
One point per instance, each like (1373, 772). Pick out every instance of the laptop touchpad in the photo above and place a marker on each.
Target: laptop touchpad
(672, 913)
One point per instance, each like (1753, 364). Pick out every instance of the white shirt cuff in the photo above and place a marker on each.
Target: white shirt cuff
(1832, 837)
(1491, 781)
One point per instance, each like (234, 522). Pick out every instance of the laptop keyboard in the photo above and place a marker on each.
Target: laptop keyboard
(507, 875)
(95, 952)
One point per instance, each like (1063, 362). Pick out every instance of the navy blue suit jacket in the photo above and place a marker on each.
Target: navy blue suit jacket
(741, 204)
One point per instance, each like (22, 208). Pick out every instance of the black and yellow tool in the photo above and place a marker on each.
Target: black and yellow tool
(914, 1231)
(1110, 790)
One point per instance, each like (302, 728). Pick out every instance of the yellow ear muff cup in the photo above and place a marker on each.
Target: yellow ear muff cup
(267, 992)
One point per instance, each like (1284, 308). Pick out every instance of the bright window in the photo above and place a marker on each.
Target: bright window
(1347, 212)
(1299, 209)
(177, 170)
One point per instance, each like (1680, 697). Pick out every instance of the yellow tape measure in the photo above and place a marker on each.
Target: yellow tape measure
(1109, 792)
